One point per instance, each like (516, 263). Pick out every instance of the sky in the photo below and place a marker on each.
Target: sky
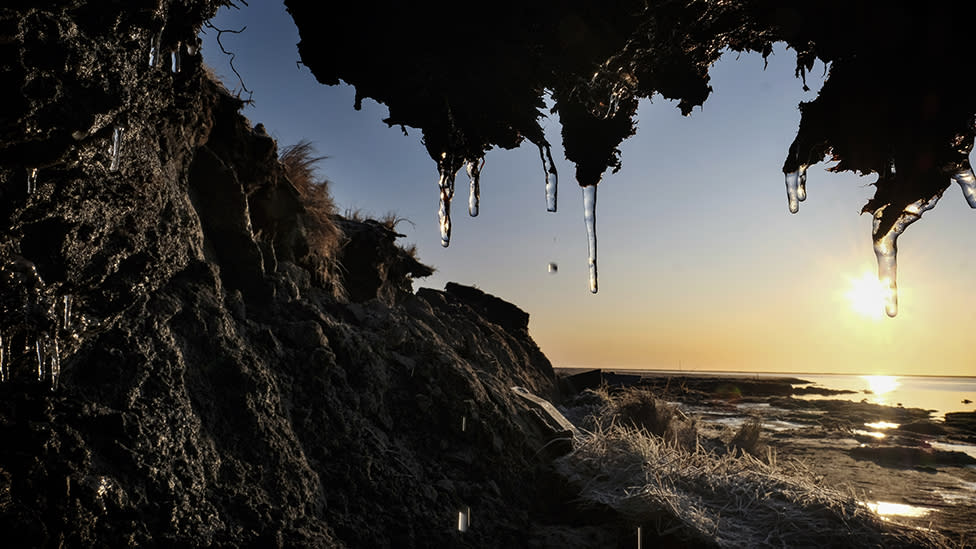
(701, 265)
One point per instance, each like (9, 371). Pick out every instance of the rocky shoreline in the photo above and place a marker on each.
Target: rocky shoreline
(917, 467)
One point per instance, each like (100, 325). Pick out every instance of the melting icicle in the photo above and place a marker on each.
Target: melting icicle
(32, 180)
(793, 190)
(886, 247)
(116, 148)
(801, 188)
(552, 178)
(176, 64)
(446, 185)
(967, 181)
(589, 217)
(474, 173)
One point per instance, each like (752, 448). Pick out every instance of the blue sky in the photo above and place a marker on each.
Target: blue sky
(701, 264)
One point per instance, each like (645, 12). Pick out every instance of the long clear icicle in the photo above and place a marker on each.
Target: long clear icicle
(55, 364)
(31, 180)
(886, 247)
(3, 362)
(967, 181)
(801, 188)
(66, 301)
(474, 174)
(446, 186)
(552, 177)
(589, 218)
(117, 136)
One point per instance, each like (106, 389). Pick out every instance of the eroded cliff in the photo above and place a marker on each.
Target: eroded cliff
(177, 370)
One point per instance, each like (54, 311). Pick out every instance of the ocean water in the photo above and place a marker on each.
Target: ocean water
(939, 394)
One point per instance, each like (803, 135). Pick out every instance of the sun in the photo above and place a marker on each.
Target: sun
(867, 295)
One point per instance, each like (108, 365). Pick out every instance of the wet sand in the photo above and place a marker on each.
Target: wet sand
(909, 467)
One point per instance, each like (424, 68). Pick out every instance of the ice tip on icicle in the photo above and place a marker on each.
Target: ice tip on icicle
(793, 190)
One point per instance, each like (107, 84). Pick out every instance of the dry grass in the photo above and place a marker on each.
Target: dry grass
(324, 236)
(731, 499)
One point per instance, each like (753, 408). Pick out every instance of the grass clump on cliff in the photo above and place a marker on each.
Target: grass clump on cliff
(721, 496)
(324, 237)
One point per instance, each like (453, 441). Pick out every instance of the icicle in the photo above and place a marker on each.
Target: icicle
(552, 178)
(32, 180)
(3, 363)
(801, 188)
(55, 365)
(474, 198)
(967, 181)
(176, 60)
(40, 359)
(793, 190)
(886, 247)
(154, 47)
(446, 185)
(589, 217)
(116, 148)
(191, 48)
(66, 301)
(464, 519)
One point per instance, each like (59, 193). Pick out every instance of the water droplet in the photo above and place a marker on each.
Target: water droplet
(553, 268)
(589, 218)
(886, 247)
(31, 180)
(464, 519)
(967, 181)
(552, 177)
(117, 136)
(474, 174)
(446, 186)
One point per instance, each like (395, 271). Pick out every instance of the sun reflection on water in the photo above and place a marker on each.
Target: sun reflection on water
(889, 509)
(881, 385)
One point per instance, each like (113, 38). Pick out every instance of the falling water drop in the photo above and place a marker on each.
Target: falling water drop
(474, 174)
(176, 63)
(589, 218)
(553, 268)
(446, 186)
(967, 181)
(793, 190)
(116, 147)
(31, 180)
(552, 177)
(886, 247)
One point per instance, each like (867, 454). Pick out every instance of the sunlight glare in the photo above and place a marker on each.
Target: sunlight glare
(867, 295)
(880, 385)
